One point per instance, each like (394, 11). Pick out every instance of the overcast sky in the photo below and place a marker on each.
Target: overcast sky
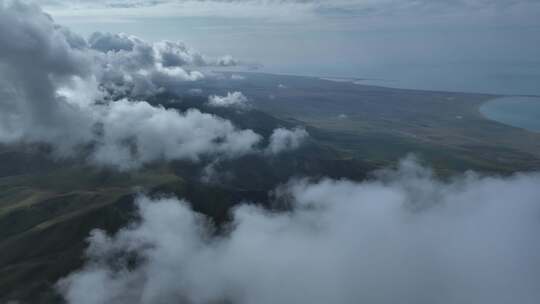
(473, 45)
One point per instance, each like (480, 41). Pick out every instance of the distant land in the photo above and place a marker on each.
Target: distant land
(48, 206)
(382, 122)
(521, 111)
(503, 78)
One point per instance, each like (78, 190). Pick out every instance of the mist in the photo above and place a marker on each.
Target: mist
(404, 236)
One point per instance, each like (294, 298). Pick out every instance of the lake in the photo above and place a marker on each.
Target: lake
(521, 112)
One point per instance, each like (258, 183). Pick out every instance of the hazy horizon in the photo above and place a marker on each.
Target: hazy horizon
(473, 46)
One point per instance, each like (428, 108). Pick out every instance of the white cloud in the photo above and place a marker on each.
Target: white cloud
(135, 67)
(226, 61)
(175, 54)
(233, 100)
(283, 140)
(134, 133)
(39, 61)
(78, 96)
(107, 42)
(405, 237)
(61, 91)
(237, 77)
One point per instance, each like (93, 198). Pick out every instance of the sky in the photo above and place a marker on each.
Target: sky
(459, 45)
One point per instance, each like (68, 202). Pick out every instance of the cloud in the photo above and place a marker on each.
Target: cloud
(84, 97)
(107, 42)
(237, 77)
(80, 96)
(403, 237)
(231, 100)
(135, 67)
(39, 60)
(303, 10)
(135, 133)
(213, 174)
(283, 140)
(175, 54)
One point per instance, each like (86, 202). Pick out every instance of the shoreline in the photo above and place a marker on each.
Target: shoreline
(489, 111)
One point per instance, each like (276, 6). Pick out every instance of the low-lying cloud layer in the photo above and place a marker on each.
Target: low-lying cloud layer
(405, 237)
(286, 140)
(136, 132)
(235, 100)
(83, 95)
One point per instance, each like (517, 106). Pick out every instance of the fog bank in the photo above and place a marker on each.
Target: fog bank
(403, 237)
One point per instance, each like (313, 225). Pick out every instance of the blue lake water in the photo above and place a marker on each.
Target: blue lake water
(521, 112)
